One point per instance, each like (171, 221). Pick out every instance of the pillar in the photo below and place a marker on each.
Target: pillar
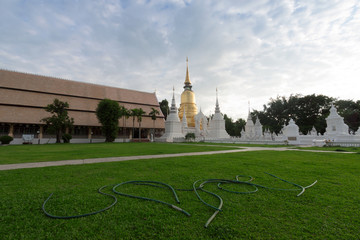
(11, 130)
(40, 136)
(89, 133)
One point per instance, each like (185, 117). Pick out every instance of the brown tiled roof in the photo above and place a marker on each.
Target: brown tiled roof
(23, 95)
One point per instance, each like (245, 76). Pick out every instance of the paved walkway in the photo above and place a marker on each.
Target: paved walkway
(128, 158)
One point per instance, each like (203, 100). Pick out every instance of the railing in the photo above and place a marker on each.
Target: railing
(343, 144)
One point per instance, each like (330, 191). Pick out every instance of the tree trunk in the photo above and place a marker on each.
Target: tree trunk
(58, 136)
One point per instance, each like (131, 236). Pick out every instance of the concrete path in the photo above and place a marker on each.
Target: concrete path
(128, 158)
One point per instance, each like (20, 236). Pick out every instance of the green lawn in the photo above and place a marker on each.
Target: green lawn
(337, 149)
(240, 144)
(328, 210)
(55, 152)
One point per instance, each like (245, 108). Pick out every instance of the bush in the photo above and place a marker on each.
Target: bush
(66, 137)
(6, 139)
(190, 137)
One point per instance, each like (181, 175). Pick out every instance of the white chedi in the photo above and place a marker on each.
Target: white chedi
(173, 127)
(335, 124)
(252, 131)
(217, 124)
(291, 132)
(201, 124)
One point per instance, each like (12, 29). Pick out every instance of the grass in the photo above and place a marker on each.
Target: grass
(337, 149)
(328, 210)
(55, 152)
(240, 144)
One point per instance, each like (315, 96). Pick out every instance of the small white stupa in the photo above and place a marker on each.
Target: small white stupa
(335, 124)
(291, 132)
(252, 131)
(217, 123)
(184, 126)
(173, 128)
(201, 124)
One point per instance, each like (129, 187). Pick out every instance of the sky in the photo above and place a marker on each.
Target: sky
(250, 50)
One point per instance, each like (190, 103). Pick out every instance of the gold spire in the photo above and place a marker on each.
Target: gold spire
(187, 78)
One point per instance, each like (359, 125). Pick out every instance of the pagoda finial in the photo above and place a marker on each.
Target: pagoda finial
(187, 78)
(217, 108)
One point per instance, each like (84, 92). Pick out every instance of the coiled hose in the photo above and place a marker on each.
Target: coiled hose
(195, 188)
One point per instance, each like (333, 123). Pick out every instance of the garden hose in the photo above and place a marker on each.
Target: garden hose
(151, 183)
(81, 215)
(195, 188)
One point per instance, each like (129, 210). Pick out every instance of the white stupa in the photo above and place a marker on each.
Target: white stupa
(291, 132)
(252, 131)
(217, 123)
(201, 124)
(173, 128)
(335, 124)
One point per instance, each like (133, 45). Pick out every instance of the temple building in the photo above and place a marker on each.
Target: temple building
(23, 97)
(188, 104)
(173, 127)
(193, 121)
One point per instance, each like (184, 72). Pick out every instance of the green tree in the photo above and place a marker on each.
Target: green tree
(350, 111)
(139, 115)
(307, 111)
(239, 125)
(108, 113)
(229, 125)
(125, 114)
(153, 114)
(164, 106)
(134, 113)
(59, 120)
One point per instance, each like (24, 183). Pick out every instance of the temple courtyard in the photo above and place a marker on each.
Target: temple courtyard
(325, 210)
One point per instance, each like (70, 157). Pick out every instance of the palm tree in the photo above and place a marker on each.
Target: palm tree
(125, 114)
(134, 113)
(153, 114)
(139, 119)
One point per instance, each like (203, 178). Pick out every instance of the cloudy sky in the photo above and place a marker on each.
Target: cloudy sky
(251, 50)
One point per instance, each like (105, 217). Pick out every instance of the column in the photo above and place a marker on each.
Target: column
(11, 130)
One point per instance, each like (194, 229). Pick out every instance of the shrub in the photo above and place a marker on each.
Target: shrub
(6, 139)
(66, 137)
(190, 137)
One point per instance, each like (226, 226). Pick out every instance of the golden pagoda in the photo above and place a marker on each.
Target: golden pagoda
(188, 100)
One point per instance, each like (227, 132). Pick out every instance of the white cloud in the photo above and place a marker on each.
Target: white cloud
(250, 50)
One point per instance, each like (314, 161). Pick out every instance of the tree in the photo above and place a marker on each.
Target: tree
(59, 120)
(229, 125)
(350, 111)
(164, 106)
(125, 114)
(134, 113)
(307, 111)
(108, 114)
(140, 112)
(153, 114)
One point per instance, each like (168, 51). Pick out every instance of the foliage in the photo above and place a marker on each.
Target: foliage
(164, 106)
(6, 139)
(59, 120)
(325, 211)
(108, 113)
(140, 113)
(153, 114)
(66, 137)
(190, 137)
(307, 111)
(234, 128)
(350, 110)
(125, 114)
(137, 113)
